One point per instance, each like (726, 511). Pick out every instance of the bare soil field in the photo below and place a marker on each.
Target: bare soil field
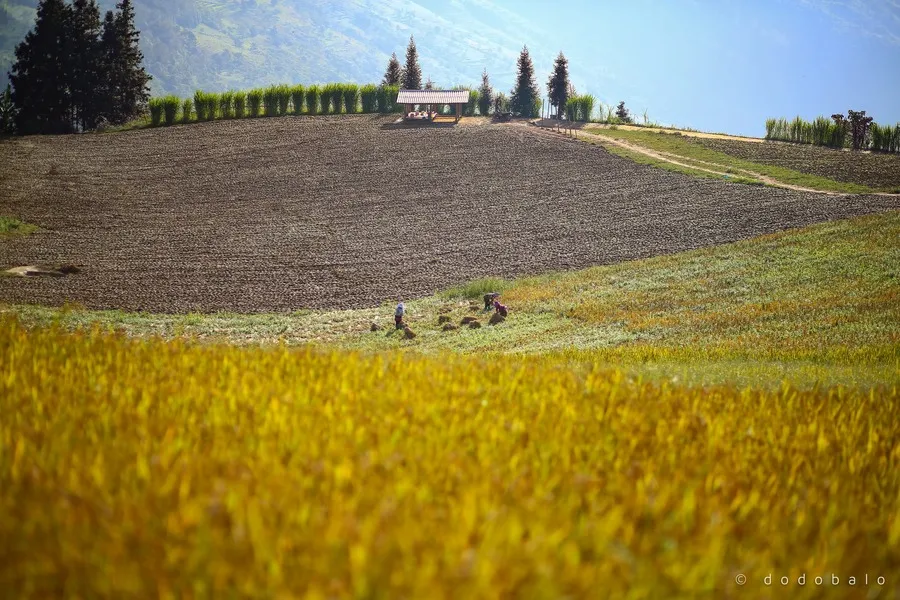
(874, 169)
(338, 212)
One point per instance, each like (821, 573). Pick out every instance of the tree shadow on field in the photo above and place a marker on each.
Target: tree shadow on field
(401, 124)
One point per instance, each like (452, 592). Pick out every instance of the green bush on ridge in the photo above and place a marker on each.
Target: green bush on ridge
(254, 100)
(240, 105)
(297, 99)
(312, 100)
(280, 100)
(156, 110)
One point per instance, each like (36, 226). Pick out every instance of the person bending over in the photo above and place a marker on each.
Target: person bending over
(500, 308)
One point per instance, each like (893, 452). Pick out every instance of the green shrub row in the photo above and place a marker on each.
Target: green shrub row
(820, 132)
(885, 138)
(580, 108)
(275, 101)
(826, 132)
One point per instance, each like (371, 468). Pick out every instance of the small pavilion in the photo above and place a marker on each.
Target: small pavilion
(431, 99)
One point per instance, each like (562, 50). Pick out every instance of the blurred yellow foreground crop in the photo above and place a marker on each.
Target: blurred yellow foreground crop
(151, 469)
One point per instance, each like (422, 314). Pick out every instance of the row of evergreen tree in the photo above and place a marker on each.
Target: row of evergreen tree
(524, 98)
(73, 72)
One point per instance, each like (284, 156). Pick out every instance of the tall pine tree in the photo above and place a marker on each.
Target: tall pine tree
(485, 95)
(525, 95)
(412, 74)
(558, 85)
(7, 112)
(70, 72)
(394, 73)
(127, 90)
(109, 45)
(41, 85)
(85, 64)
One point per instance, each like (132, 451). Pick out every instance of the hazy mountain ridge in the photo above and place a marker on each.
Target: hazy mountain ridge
(221, 44)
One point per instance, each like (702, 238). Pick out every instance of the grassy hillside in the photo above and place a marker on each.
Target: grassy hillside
(10, 226)
(694, 152)
(821, 304)
(875, 169)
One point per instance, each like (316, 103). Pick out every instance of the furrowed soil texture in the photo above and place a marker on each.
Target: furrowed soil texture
(343, 212)
(865, 168)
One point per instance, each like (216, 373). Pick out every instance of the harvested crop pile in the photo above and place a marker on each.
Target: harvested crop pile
(279, 214)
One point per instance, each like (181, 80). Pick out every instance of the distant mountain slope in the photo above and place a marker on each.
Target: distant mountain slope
(221, 44)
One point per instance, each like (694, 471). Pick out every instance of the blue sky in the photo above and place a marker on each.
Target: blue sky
(715, 65)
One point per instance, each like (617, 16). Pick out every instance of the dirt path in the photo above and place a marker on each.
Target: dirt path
(679, 160)
(698, 134)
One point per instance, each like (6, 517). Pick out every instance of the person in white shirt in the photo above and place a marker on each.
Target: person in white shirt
(398, 316)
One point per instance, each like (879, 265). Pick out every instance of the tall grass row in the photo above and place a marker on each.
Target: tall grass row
(156, 111)
(254, 101)
(822, 131)
(885, 138)
(226, 104)
(369, 98)
(277, 100)
(240, 105)
(297, 99)
(351, 98)
(580, 108)
(283, 98)
(270, 101)
(312, 99)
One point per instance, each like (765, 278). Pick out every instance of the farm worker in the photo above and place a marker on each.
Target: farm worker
(489, 300)
(500, 308)
(398, 316)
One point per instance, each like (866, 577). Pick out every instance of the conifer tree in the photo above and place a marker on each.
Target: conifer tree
(485, 95)
(393, 74)
(40, 83)
(85, 64)
(558, 85)
(622, 113)
(109, 45)
(127, 90)
(7, 112)
(525, 93)
(412, 73)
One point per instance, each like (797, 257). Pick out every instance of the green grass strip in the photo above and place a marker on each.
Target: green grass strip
(10, 227)
(683, 147)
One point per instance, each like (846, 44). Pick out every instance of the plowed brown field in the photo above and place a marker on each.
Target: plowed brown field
(287, 213)
(874, 169)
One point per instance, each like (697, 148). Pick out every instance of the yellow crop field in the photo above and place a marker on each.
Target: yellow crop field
(143, 468)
